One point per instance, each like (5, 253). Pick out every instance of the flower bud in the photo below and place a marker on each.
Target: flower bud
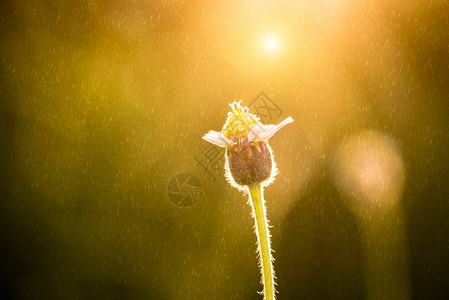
(249, 163)
(249, 159)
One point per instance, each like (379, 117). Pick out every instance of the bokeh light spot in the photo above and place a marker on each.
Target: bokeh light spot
(369, 170)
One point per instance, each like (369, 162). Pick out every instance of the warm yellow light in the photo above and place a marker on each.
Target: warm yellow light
(369, 168)
(271, 43)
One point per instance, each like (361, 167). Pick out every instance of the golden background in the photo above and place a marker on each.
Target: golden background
(103, 102)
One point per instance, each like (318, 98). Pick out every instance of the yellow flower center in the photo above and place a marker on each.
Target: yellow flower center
(239, 121)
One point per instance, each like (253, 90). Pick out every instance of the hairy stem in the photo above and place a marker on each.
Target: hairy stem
(263, 239)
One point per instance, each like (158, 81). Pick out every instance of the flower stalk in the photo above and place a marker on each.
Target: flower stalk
(263, 239)
(250, 167)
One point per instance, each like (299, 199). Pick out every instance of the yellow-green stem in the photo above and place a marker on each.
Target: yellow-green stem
(263, 239)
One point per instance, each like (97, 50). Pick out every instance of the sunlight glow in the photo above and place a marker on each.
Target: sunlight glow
(271, 43)
(369, 167)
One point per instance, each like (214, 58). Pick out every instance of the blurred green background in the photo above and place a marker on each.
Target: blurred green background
(103, 102)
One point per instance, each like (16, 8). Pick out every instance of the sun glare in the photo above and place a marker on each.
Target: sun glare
(271, 43)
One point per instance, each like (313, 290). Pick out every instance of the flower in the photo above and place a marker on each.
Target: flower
(249, 158)
(250, 167)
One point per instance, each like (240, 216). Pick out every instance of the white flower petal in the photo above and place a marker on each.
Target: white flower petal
(256, 132)
(271, 129)
(213, 137)
(285, 122)
(217, 138)
(227, 141)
